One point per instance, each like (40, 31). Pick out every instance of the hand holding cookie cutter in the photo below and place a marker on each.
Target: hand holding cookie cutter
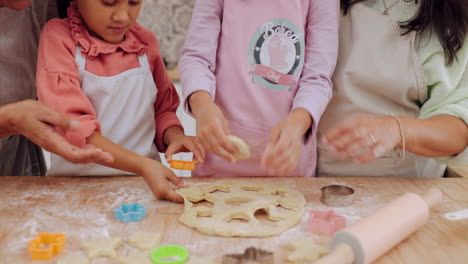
(183, 165)
(337, 195)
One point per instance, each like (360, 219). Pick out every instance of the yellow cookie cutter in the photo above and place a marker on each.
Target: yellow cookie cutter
(183, 165)
(45, 245)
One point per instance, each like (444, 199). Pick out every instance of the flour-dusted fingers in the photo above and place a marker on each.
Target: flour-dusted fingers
(284, 165)
(56, 119)
(198, 151)
(375, 152)
(222, 147)
(338, 131)
(170, 194)
(359, 145)
(347, 137)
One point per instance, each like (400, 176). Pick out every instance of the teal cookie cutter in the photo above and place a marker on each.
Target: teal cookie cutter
(130, 212)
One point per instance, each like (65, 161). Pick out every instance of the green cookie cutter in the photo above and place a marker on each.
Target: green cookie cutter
(169, 254)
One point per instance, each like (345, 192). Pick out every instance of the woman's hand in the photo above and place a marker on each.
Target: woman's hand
(283, 151)
(363, 138)
(36, 121)
(212, 126)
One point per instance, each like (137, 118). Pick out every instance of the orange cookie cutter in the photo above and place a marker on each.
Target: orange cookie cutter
(45, 245)
(183, 165)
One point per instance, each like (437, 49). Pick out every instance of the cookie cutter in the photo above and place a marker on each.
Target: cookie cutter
(169, 254)
(325, 222)
(130, 212)
(251, 255)
(45, 245)
(337, 195)
(183, 165)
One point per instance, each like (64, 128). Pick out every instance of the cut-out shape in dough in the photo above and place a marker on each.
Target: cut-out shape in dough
(101, 247)
(226, 218)
(243, 149)
(136, 257)
(74, 259)
(306, 249)
(144, 240)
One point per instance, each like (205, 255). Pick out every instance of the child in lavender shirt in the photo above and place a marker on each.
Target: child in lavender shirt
(260, 70)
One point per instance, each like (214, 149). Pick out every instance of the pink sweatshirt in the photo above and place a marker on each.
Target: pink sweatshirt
(58, 80)
(259, 60)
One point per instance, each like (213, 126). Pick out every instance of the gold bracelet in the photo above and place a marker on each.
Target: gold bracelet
(402, 134)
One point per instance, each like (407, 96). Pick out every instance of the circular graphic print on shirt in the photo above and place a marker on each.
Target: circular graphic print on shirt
(276, 55)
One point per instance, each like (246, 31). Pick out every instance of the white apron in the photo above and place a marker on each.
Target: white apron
(124, 106)
(378, 72)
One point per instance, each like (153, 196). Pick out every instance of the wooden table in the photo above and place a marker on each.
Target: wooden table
(459, 172)
(82, 209)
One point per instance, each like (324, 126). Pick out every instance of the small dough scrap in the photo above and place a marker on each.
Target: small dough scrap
(243, 152)
(74, 259)
(201, 260)
(306, 249)
(144, 240)
(233, 200)
(136, 257)
(101, 247)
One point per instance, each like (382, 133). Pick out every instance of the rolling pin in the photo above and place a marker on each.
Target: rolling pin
(368, 239)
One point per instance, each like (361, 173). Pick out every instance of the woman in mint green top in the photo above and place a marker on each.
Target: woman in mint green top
(400, 90)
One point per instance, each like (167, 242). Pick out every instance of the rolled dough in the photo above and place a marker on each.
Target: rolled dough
(234, 204)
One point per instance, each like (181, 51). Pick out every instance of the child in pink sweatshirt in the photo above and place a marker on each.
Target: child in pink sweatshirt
(103, 69)
(260, 70)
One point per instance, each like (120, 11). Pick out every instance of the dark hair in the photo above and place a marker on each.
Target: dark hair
(448, 19)
(62, 6)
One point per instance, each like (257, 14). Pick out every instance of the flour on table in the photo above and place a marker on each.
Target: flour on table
(201, 260)
(136, 257)
(74, 259)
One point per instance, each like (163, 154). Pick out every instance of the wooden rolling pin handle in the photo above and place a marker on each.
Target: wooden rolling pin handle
(341, 254)
(432, 197)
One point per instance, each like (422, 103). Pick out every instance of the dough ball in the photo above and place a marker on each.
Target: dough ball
(243, 148)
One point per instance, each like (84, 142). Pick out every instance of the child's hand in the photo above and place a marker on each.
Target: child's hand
(186, 144)
(213, 129)
(283, 150)
(158, 177)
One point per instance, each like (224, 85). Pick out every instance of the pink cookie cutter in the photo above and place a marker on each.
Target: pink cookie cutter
(325, 222)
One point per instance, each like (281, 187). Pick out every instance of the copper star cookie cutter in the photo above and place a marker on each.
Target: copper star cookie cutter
(337, 195)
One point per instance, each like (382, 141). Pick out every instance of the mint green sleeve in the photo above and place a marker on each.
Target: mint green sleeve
(447, 89)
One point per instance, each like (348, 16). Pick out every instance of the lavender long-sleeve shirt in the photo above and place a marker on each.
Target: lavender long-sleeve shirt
(259, 60)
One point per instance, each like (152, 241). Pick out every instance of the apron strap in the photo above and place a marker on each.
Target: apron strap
(143, 59)
(80, 60)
